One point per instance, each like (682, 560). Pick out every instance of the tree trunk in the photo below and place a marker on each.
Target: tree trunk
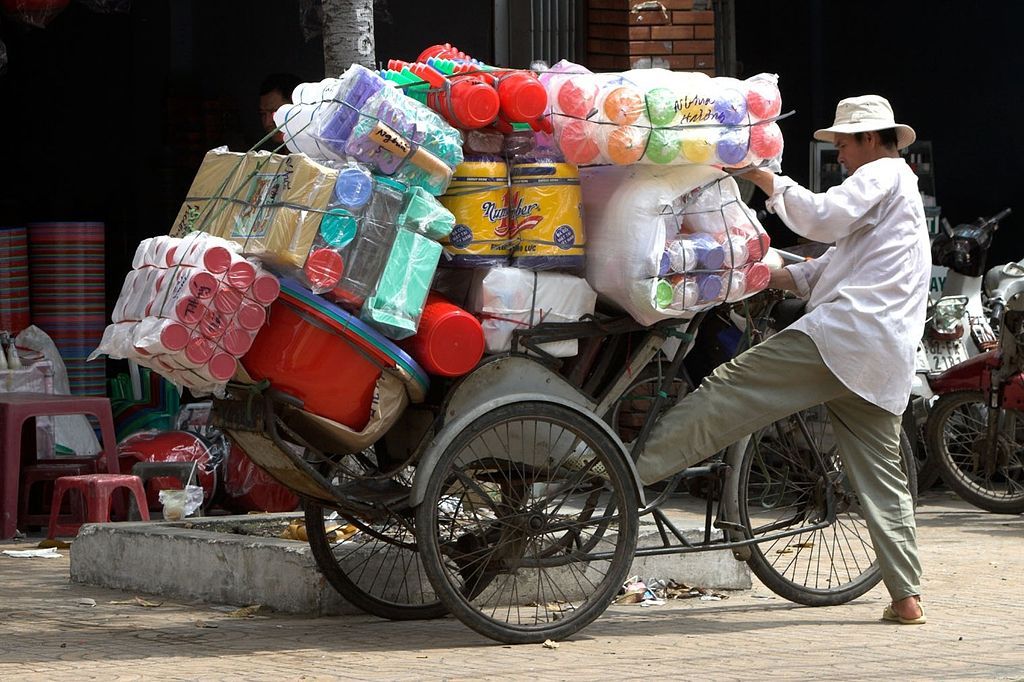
(348, 35)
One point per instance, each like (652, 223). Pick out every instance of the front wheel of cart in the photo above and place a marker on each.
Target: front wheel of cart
(785, 488)
(528, 524)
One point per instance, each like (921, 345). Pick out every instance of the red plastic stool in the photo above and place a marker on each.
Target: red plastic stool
(42, 475)
(15, 409)
(97, 490)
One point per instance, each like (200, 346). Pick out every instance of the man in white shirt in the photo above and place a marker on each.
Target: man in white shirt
(854, 348)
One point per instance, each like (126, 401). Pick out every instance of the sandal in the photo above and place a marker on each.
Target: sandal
(889, 614)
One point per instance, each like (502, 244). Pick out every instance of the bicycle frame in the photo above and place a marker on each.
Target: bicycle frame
(724, 474)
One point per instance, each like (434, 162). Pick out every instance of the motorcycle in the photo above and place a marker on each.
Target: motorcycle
(961, 323)
(975, 431)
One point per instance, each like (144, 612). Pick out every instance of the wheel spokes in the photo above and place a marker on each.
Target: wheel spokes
(531, 551)
(996, 470)
(786, 489)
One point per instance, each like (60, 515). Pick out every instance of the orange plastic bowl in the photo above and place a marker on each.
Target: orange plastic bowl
(328, 359)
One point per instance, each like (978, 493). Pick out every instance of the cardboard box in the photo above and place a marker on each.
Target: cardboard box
(269, 204)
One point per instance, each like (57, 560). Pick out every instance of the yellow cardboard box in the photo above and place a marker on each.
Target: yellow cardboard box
(269, 204)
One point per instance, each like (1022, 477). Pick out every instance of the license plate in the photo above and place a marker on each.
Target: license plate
(940, 355)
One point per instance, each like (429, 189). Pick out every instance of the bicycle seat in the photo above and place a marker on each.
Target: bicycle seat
(787, 311)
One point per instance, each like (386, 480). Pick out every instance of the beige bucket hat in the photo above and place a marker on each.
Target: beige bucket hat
(865, 113)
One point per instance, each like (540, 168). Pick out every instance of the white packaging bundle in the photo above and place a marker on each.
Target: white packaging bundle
(656, 116)
(189, 310)
(669, 241)
(507, 299)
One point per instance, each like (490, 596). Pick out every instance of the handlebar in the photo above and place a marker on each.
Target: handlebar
(994, 220)
(789, 258)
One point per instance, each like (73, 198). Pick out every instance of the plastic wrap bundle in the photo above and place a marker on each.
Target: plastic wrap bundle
(506, 299)
(271, 205)
(664, 117)
(670, 241)
(397, 302)
(376, 249)
(353, 245)
(363, 117)
(189, 309)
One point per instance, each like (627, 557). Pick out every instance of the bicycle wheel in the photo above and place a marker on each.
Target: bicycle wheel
(783, 488)
(534, 549)
(958, 437)
(378, 569)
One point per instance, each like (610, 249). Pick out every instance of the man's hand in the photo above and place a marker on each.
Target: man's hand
(781, 278)
(761, 178)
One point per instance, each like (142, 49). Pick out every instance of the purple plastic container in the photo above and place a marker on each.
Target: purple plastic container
(361, 84)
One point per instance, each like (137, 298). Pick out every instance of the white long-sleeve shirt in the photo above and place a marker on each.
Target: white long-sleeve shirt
(868, 294)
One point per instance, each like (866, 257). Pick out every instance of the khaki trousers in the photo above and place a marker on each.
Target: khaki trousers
(780, 376)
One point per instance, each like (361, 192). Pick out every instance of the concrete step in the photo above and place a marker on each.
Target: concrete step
(196, 561)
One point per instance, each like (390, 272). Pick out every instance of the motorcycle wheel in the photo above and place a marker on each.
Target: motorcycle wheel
(957, 438)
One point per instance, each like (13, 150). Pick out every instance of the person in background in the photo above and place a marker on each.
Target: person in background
(275, 90)
(854, 348)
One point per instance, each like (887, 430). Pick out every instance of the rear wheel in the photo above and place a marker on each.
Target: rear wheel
(533, 549)
(377, 568)
(989, 478)
(784, 487)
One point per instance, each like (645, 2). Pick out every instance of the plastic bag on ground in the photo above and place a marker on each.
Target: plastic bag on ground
(181, 503)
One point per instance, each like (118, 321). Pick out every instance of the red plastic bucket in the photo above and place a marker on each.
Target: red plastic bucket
(315, 359)
(449, 341)
(248, 488)
(168, 446)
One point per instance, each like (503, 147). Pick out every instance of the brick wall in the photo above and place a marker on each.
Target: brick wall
(632, 34)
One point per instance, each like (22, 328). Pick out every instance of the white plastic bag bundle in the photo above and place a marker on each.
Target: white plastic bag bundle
(669, 241)
(506, 299)
(656, 116)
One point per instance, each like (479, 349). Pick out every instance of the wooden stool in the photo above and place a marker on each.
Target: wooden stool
(97, 490)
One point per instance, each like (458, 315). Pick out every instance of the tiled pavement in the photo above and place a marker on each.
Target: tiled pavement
(974, 590)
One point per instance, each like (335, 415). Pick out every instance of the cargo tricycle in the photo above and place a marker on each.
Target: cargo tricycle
(509, 498)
